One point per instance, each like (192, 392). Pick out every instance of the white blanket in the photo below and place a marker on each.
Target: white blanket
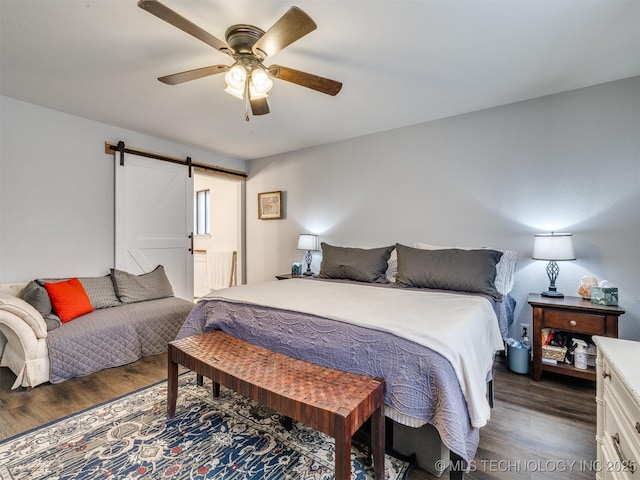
(462, 328)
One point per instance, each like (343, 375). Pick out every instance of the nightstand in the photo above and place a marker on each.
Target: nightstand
(571, 315)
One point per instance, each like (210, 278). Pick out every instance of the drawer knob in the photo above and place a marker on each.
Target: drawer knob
(638, 427)
(573, 323)
(628, 464)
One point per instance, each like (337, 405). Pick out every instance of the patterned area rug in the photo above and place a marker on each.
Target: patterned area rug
(228, 437)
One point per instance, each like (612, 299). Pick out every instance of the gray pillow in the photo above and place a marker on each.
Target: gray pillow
(132, 288)
(36, 295)
(99, 290)
(451, 269)
(53, 321)
(359, 264)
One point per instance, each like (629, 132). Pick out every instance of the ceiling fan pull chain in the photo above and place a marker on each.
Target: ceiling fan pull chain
(246, 98)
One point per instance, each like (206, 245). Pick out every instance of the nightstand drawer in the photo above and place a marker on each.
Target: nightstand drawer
(574, 322)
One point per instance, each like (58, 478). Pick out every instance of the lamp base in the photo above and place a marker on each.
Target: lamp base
(308, 258)
(552, 294)
(552, 272)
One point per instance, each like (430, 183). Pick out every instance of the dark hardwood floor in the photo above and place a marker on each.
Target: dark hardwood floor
(538, 430)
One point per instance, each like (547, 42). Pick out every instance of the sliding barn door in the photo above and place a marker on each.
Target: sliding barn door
(154, 219)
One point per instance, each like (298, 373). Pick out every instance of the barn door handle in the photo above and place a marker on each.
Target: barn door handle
(191, 238)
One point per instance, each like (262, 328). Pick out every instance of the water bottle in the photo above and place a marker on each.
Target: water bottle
(580, 354)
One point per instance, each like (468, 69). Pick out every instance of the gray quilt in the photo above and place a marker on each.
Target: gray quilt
(115, 336)
(420, 383)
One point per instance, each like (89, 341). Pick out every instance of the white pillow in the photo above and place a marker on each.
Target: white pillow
(505, 269)
(26, 312)
(392, 266)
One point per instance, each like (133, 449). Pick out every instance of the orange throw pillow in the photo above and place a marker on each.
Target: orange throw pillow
(69, 299)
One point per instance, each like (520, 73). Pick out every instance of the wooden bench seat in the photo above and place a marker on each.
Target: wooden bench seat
(333, 402)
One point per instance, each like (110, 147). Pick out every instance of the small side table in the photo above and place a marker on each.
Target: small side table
(569, 314)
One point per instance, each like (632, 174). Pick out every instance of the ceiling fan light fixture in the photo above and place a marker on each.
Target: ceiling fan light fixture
(236, 78)
(238, 93)
(254, 95)
(260, 83)
(248, 78)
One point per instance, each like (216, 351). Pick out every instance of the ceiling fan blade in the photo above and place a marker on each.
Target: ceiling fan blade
(194, 74)
(259, 106)
(292, 26)
(320, 84)
(165, 13)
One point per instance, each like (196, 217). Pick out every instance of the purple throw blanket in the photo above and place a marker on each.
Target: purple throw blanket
(420, 383)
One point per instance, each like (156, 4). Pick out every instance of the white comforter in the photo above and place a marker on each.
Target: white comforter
(462, 328)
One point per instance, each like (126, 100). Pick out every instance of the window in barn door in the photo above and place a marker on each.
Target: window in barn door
(202, 212)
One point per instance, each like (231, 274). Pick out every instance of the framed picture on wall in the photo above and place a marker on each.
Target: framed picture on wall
(270, 205)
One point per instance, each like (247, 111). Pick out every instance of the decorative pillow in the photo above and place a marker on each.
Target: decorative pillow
(451, 269)
(132, 288)
(26, 312)
(99, 290)
(69, 299)
(392, 266)
(36, 295)
(359, 264)
(505, 270)
(53, 321)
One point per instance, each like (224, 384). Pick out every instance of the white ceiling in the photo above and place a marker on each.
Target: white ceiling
(401, 62)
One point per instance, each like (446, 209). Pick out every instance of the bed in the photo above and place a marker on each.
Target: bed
(384, 312)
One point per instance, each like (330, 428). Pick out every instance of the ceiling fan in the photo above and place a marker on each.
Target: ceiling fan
(248, 78)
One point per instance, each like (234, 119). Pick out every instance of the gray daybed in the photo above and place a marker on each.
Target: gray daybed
(133, 316)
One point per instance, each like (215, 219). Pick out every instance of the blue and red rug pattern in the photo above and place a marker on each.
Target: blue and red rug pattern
(228, 438)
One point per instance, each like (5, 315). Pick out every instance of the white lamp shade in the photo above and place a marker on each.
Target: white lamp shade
(553, 246)
(260, 83)
(308, 242)
(236, 78)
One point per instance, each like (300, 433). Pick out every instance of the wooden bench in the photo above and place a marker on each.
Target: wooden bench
(333, 402)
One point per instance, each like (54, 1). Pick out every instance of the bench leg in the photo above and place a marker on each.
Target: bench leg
(172, 388)
(343, 453)
(377, 442)
(215, 389)
(287, 423)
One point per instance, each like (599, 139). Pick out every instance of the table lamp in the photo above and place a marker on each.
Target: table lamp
(554, 247)
(309, 243)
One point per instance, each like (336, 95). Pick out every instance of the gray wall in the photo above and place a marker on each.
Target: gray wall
(57, 190)
(567, 162)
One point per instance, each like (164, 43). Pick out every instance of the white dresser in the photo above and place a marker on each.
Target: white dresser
(618, 408)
